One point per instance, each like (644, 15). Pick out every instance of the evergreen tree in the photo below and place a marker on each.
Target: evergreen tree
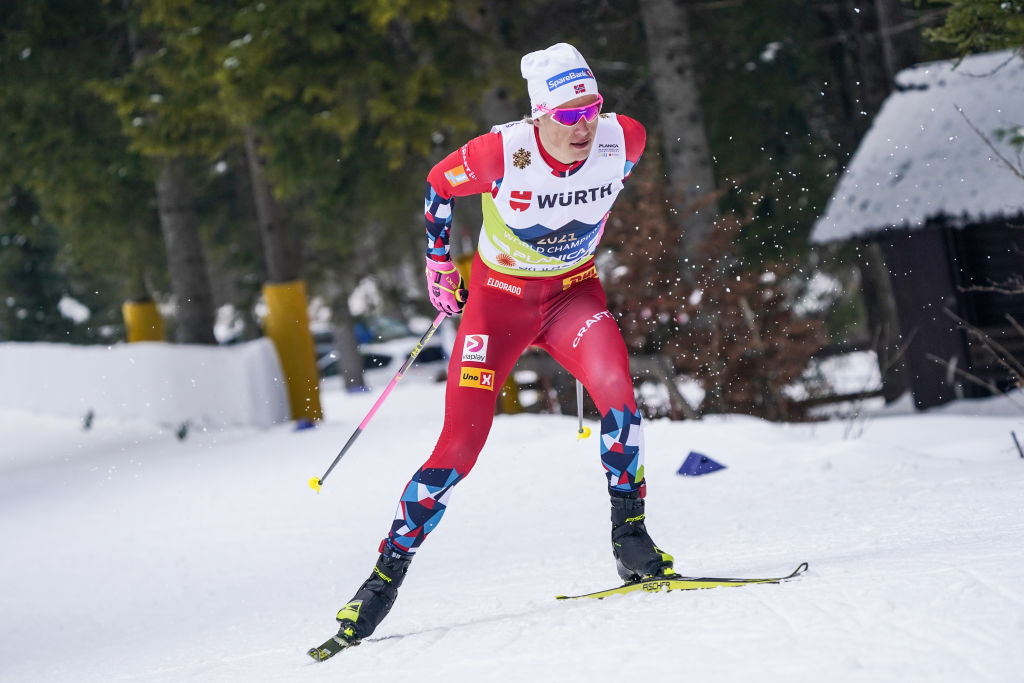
(981, 25)
(62, 146)
(38, 281)
(168, 109)
(338, 107)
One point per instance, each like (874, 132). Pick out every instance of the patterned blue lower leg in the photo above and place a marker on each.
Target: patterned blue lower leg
(622, 449)
(420, 508)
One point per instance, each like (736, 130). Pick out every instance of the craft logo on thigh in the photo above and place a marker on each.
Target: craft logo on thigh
(479, 378)
(475, 348)
(590, 322)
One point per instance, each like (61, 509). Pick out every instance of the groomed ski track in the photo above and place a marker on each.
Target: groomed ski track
(132, 556)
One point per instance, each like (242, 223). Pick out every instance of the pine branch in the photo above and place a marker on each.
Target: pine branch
(1009, 164)
(1016, 325)
(1014, 285)
(1001, 355)
(974, 379)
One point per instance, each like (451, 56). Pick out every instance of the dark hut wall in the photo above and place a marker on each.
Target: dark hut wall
(991, 258)
(938, 268)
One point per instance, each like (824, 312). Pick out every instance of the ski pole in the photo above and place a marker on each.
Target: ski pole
(581, 432)
(316, 482)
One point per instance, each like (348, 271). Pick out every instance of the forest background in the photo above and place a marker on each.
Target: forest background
(188, 152)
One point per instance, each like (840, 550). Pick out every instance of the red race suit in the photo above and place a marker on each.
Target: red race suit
(533, 283)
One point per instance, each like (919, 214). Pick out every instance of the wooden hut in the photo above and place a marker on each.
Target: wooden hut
(935, 194)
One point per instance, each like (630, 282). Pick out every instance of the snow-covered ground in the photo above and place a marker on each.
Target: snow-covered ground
(129, 555)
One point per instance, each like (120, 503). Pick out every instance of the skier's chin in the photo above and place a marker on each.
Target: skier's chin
(581, 150)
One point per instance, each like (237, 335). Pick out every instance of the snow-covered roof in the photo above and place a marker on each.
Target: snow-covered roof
(921, 159)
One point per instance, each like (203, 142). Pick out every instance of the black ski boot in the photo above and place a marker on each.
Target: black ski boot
(636, 556)
(368, 606)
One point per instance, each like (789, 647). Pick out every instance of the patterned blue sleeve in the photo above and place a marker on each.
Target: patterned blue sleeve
(437, 212)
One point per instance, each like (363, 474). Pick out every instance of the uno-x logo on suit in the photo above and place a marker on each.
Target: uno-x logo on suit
(478, 378)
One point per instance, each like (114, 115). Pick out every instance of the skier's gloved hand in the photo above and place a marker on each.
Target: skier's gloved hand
(447, 290)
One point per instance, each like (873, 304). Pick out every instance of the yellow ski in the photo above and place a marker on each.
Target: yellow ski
(682, 583)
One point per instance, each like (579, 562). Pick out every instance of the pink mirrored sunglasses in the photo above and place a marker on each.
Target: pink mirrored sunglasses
(571, 116)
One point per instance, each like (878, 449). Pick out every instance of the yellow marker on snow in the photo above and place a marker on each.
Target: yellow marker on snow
(314, 483)
(583, 433)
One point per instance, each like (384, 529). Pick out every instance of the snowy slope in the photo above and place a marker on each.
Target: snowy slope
(129, 555)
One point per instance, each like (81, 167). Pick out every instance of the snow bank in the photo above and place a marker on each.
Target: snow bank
(162, 383)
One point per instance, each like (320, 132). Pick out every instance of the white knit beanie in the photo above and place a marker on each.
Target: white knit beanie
(556, 75)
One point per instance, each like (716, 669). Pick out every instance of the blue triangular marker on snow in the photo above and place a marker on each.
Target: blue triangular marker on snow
(697, 464)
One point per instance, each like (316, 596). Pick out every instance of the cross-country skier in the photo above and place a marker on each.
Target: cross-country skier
(547, 184)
